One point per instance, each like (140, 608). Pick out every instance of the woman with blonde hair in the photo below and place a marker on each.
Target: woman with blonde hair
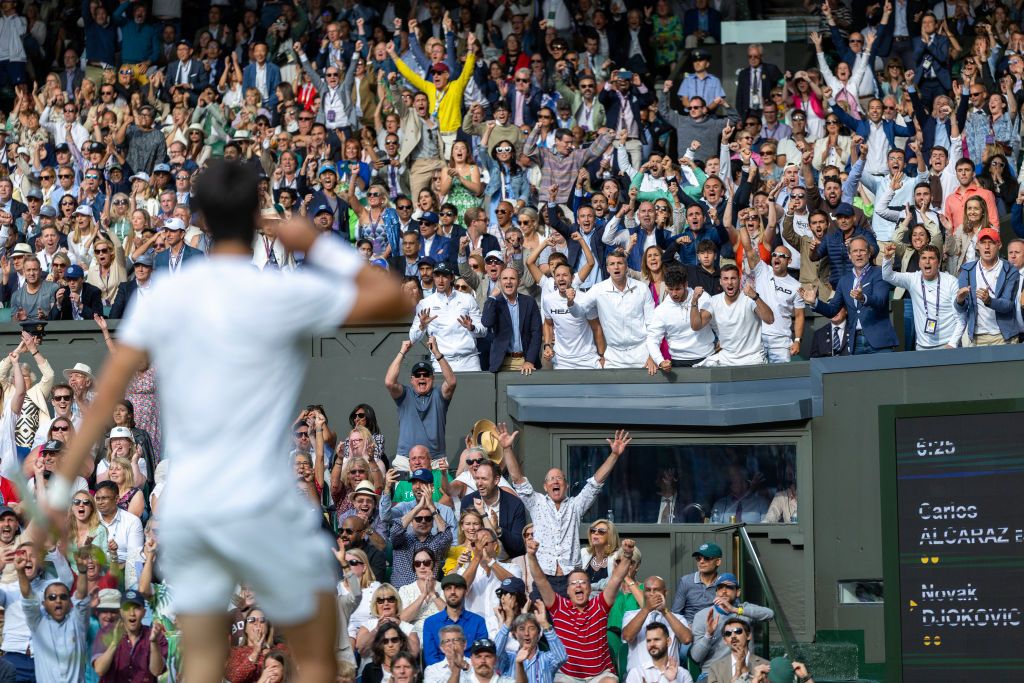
(129, 496)
(116, 218)
(470, 522)
(84, 526)
(344, 478)
(386, 608)
(603, 541)
(143, 195)
(107, 270)
(359, 566)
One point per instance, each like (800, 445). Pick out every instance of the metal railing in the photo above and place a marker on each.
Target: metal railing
(754, 559)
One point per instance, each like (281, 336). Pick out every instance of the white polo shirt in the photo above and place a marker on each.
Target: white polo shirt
(671, 321)
(782, 294)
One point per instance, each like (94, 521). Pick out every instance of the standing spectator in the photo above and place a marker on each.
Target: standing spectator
(514, 322)
(866, 297)
(624, 306)
(755, 82)
(780, 338)
(130, 650)
(422, 407)
(13, 28)
(556, 515)
(453, 319)
(701, 84)
(455, 613)
(834, 245)
(581, 620)
(561, 163)
(624, 96)
(506, 512)
(737, 319)
(671, 323)
(147, 146)
(830, 340)
(931, 60)
(262, 75)
(987, 297)
(34, 409)
(937, 324)
(709, 644)
(956, 201)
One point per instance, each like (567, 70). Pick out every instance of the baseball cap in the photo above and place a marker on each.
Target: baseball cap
(420, 366)
(322, 208)
(427, 261)
(184, 42)
(989, 234)
(844, 209)
(144, 260)
(6, 510)
(174, 224)
(443, 268)
(53, 446)
(48, 211)
(727, 579)
(422, 474)
(453, 580)
(62, 147)
(712, 550)
(482, 645)
(700, 54)
(133, 598)
(74, 272)
(325, 168)
(494, 254)
(440, 68)
(34, 194)
(512, 584)
(83, 210)
(161, 168)
(140, 176)
(429, 217)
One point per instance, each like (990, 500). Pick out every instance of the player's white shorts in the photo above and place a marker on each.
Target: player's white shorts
(280, 551)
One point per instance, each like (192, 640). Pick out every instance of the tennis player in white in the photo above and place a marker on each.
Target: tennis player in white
(230, 348)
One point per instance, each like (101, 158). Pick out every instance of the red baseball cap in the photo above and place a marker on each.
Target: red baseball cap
(989, 233)
(440, 68)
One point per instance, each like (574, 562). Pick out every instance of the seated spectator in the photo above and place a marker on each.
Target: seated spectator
(34, 299)
(455, 612)
(423, 597)
(355, 593)
(470, 523)
(741, 661)
(603, 541)
(662, 665)
(79, 300)
(124, 530)
(421, 527)
(352, 531)
(386, 611)
(744, 500)
(389, 647)
(534, 663)
(696, 591)
(245, 661)
(655, 610)
(630, 597)
(709, 644)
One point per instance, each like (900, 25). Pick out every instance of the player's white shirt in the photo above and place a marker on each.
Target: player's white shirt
(739, 328)
(227, 342)
(782, 294)
(574, 338)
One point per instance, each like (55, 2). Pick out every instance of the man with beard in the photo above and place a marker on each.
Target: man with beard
(736, 634)
(710, 624)
(455, 613)
(59, 626)
(670, 326)
(661, 666)
(10, 535)
(571, 343)
(737, 319)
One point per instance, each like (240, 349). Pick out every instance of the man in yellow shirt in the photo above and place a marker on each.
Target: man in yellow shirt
(444, 95)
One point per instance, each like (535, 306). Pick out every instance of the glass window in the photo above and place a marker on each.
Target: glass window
(692, 483)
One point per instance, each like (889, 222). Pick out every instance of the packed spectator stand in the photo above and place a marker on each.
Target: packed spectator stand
(559, 185)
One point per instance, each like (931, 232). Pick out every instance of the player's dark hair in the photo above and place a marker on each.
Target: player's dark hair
(675, 275)
(227, 193)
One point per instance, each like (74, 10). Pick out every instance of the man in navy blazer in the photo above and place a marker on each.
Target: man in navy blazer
(866, 297)
(433, 245)
(586, 226)
(929, 122)
(177, 252)
(988, 290)
(184, 73)
(250, 77)
(931, 60)
(511, 511)
(516, 343)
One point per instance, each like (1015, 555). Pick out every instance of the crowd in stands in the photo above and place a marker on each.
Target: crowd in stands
(558, 183)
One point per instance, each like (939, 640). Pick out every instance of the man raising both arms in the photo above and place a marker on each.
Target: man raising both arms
(211, 541)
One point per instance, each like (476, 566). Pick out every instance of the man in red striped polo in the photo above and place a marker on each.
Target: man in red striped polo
(581, 620)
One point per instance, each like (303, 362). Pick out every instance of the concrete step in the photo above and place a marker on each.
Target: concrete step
(827, 661)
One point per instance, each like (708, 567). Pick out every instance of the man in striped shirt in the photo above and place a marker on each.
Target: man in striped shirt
(581, 621)
(561, 163)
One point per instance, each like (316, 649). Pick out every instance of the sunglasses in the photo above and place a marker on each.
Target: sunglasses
(732, 632)
(125, 72)
(421, 375)
(473, 461)
(256, 620)
(599, 532)
(331, 74)
(58, 596)
(374, 194)
(856, 41)
(404, 207)
(832, 122)
(302, 434)
(305, 118)
(387, 598)
(120, 202)
(447, 213)
(59, 429)
(357, 471)
(695, 106)
(501, 211)
(391, 640)
(422, 563)
(503, 150)
(778, 255)
(359, 416)
(102, 251)
(62, 397)
(423, 519)
(65, 175)
(46, 177)
(81, 503)
(355, 562)
(466, 288)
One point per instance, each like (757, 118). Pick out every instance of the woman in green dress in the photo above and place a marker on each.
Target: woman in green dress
(460, 182)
